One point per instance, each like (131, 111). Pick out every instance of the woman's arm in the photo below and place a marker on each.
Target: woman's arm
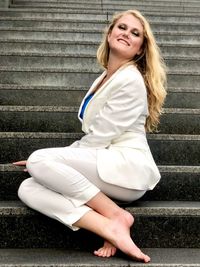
(21, 163)
(120, 111)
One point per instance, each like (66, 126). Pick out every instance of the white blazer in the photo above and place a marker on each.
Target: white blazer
(113, 123)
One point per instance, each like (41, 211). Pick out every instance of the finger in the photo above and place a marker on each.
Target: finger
(20, 163)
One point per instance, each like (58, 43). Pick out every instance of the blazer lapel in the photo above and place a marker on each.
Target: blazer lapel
(95, 83)
(98, 92)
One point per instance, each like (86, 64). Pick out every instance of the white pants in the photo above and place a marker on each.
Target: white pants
(64, 180)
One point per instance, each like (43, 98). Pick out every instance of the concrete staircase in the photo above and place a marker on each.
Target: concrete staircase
(47, 62)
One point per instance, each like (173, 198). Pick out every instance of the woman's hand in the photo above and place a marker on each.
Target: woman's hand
(21, 163)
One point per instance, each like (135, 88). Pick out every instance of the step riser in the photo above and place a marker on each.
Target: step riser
(82, 79)
(109, 7)
(72, 49)
(93, 17)
(16, 149)
(106, 12)
(52, 62)
(42, 97)
(39, 122)
(22, 148)
(167, 257)
(10, 182)
(29, 13)
(96, 3)
(80, 62)
(96, 37)
(176, 187)
(183, 64)
(68, 122)
(39, 231)
(52, 79)
(179, 124)
(172, 187)
(182, 100)
(92, 25)
(87, 49)
(73, 98)
(183, 81)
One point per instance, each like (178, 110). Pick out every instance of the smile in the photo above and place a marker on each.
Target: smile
(123, 41)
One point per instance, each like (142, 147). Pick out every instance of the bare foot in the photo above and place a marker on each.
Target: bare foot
(119, 232)
(107, 250)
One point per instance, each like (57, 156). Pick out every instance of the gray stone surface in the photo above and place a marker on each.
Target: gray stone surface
(84, 77)
(64, 119)
(4, 3)
(87, 47)
(117, 7)
(176, 186)
(83, 35)
(37, 96)
(180, 183)
(93, 16)
(13, 95)
(68, 258)
(16, 146)
(41, 43)
(183, 98)
(96, 25)
(64, 60)
(163, 224)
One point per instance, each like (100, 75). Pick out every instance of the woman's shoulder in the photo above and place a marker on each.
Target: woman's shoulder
(130, 72)
(130, 75)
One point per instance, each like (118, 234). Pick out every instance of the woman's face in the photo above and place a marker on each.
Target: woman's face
(126, 37)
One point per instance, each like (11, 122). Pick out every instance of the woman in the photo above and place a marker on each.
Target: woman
(75, 184)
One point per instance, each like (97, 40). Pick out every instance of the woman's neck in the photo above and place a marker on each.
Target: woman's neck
(114, 63)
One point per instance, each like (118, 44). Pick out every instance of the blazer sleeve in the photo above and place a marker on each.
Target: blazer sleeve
(121, 110)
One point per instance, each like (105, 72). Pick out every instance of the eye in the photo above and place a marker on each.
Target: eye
(136, 33)
(122, 27)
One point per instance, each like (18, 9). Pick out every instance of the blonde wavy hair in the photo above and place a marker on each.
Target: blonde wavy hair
(150, 63)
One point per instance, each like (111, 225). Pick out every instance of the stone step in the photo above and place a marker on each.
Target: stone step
(114, 2)
(35, 95)
(115, 6)
(15, 146)
(178, 183)
(20, 60)
(19, 145)
(177, 121)
(105, 13)
(23, 33)
(84, 77)
(4, 3)
(182, 98)
(19, 95)
(162, 257)
(64, 119)
(36, 118)
(89, 16)
(85, 48)
(53, 60)
(87, 25)
(171, 224)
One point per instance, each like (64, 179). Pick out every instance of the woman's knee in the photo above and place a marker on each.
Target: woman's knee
(34, 161)
(24, 189)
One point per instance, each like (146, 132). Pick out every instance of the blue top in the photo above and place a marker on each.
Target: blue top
(87, 100)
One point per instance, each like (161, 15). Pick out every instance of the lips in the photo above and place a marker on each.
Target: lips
(123, 41)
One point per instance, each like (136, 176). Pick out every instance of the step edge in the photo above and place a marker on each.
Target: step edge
(9, 167)
(142, 208)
